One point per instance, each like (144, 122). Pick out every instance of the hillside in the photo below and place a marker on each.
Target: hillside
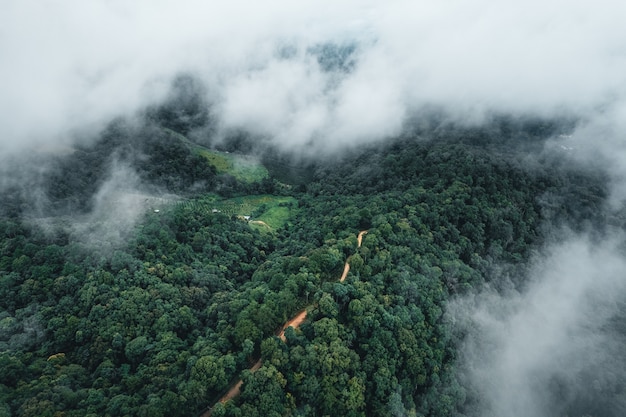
(164, 323)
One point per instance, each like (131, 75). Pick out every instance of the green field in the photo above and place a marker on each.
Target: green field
(266, 212)
(244, 168)
(277, 214)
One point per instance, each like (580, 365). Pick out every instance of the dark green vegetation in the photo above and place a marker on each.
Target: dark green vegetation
(163, 325)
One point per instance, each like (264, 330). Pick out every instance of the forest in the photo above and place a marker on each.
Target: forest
(165, 322)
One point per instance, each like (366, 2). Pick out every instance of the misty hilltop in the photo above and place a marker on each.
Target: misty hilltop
(360, 209)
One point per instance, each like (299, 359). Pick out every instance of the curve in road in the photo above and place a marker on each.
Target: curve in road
(294, 322)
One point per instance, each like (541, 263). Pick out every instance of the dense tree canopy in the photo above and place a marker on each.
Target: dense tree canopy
(163, 325)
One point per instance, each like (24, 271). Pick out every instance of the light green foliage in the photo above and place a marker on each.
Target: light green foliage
(212, 372)
(243, 168)
(166, 324)
(267, 212)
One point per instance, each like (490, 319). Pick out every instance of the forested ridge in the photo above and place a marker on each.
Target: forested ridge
(162, 325)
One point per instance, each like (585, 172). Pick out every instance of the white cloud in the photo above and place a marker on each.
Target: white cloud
(538, 352)
(69, 64)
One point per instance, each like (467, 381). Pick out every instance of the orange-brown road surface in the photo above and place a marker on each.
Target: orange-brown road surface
(261, 222)
(235, 390)
(294, 322)
(346, 269)
(360, 237)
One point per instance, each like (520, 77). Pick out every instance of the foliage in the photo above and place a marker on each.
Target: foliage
(243, 168)
(164, 325)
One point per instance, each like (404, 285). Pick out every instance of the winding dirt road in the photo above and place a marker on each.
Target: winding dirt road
(261, 222)
(359, 238)
(346, 267)
(235, 390)
(294, 322)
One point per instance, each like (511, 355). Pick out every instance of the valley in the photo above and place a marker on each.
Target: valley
(182, 310)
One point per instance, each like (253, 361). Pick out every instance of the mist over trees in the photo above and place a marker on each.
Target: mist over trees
(166, 321)
(180, 179)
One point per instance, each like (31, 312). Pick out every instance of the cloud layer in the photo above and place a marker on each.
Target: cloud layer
(71, 65)
(322, 75)
(556, 348)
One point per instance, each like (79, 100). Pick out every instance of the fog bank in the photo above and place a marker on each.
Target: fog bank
(70, 66)
(556, 347)
(317, 77)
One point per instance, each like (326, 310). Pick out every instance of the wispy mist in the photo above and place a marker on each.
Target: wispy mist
(556, 347)
(117, 205)
(317, 77)
(71, 65)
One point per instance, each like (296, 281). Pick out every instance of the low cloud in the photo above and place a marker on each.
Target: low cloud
(118, 204)
(69, 66)
(556, 347)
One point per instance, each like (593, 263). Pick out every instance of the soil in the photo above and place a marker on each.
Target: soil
(294, 322)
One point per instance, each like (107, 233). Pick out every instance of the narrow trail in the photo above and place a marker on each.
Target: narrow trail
(359, 238)
(261, 222)
(346, 269)
(235, 390)
(294, 322)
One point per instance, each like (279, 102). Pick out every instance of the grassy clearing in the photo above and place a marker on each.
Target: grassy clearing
(266, 212)
(278, 215)
(218, 161)
(245, 168)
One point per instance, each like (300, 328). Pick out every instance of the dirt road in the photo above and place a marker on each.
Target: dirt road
(359, 238)
(346, 269)
(235, 390)
(294, 322)
(261, 222)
